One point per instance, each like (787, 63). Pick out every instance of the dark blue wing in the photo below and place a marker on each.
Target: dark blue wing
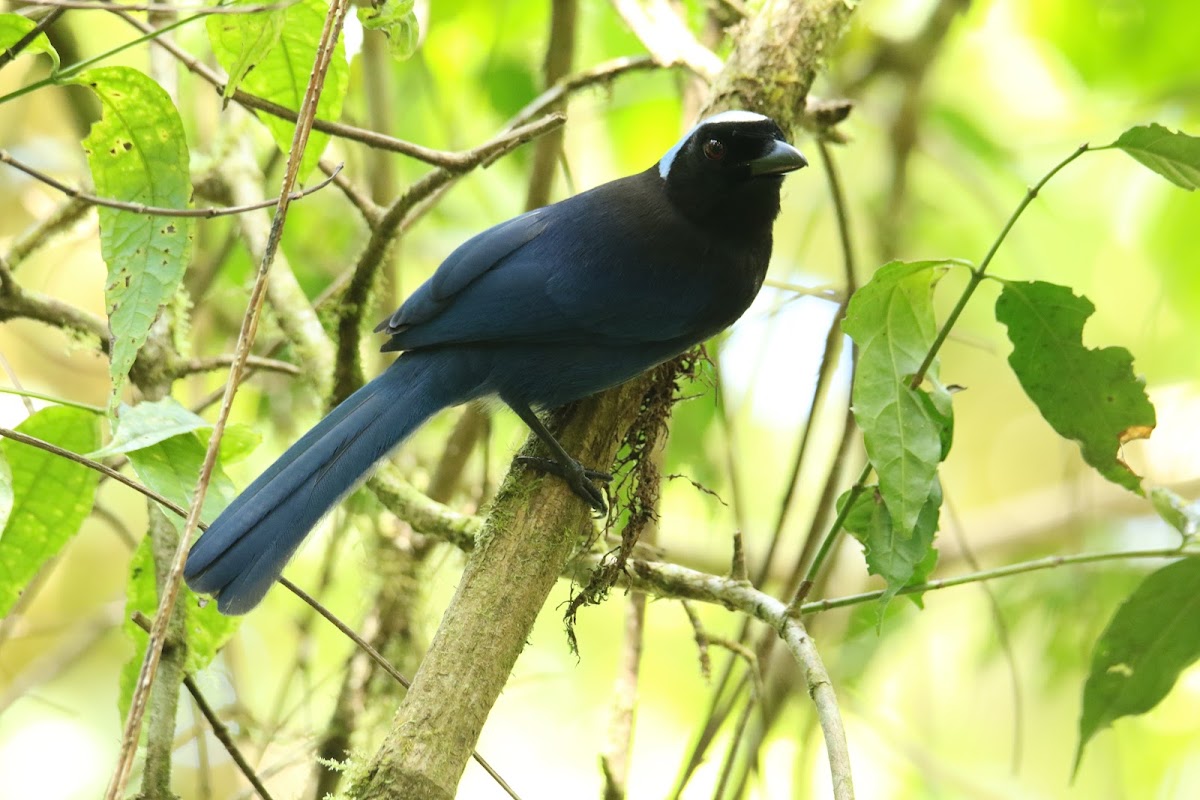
(469, 260)
(593, 269)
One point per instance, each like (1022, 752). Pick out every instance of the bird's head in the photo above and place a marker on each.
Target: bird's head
(728, 169)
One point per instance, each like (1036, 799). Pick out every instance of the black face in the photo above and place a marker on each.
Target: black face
(727, 172)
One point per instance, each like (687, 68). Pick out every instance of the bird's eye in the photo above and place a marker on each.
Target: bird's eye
(714, 149)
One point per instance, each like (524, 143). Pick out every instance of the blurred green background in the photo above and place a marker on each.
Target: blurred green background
(947, 702)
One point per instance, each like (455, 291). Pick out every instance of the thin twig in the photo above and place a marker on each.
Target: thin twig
(601, 74)
(18, 389)
(615, 759)
(192, 365)
(18, 302)
(449, 160)
(104, 469)
(141, 208)
(560, 53)
(214, 721)
(383, 664)
(369, 209)
(324, 55)
(66, 215)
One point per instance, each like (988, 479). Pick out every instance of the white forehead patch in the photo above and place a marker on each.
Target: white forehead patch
(664, 163)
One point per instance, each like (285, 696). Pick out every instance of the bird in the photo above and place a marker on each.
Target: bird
(547, 308)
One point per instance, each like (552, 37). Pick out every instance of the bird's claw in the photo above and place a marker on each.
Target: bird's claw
(578, 477)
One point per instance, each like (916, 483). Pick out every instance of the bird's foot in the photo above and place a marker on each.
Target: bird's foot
(576, 476)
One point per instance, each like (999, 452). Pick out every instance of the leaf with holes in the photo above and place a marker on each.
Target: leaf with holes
(1173, 154)
(1153, 637)
(891, 320)
(137, 153)
(281, 73)
(1091, 396)
(51, 495)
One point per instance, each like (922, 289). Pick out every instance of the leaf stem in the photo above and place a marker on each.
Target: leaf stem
(978, 273)
(1050, 562)
(66, 73)
(835, 530)
(977, 276)
(51, 399)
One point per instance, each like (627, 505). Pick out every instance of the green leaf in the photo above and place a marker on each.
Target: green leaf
(900, 560)
(137, 153)
(149, 423)
(891, 320)
(281, 73)
(1152, 638)
(13, 28)
(207, 630)
(398, 22)
(1176, 512)
(171, 467)
(244, 40)
(1173, 154)
(146, 424)
(237, 442)
(51, 495)
(1091, 396)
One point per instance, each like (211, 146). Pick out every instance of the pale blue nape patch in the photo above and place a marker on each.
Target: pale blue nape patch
(664, 163)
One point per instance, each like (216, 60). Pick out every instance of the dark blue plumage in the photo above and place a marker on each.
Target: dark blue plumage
(544, 309)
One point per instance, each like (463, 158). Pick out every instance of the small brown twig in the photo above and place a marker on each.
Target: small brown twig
(383, 664)
(62, 218)
(18, 302)
(450, 160)
(141, 208)
(207, 364)
(214, 721)
(600, 74)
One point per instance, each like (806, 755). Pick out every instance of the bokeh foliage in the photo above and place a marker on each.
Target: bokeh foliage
(937, 159)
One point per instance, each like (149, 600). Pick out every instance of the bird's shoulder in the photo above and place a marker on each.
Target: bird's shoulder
(576, 230)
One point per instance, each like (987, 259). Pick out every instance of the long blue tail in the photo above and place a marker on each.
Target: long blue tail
(246, 548)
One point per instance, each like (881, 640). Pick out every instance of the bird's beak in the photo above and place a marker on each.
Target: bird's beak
(781, 158)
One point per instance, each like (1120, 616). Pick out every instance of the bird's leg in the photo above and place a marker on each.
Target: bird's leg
(578, 477)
